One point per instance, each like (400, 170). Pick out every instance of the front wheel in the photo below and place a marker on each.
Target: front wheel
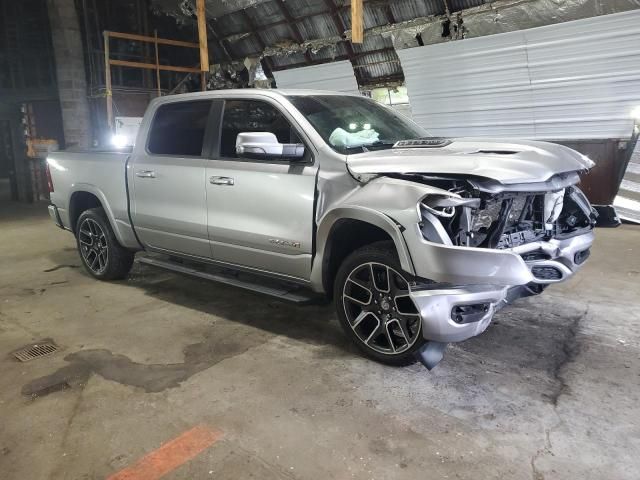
(372, 300)
(102, 256)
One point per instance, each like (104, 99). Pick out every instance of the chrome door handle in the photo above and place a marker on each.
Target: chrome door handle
(146, 174)
(221, 181)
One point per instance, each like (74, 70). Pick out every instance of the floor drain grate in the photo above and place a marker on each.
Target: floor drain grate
(36, 350)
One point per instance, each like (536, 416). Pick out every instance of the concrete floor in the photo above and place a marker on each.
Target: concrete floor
(550, 391)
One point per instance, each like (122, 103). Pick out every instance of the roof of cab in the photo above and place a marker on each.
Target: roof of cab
(246, 91)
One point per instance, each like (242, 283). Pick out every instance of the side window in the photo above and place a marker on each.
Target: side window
(252, 116)
(178, 129)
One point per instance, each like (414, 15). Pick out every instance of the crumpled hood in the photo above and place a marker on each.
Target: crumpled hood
(507, 161)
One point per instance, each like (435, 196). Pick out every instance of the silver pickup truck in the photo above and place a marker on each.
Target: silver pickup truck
(418, 240)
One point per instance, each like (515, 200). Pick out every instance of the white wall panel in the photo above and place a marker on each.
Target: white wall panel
(572, 80)
(336, 76)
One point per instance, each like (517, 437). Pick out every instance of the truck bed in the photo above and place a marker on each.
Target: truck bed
(101, 173)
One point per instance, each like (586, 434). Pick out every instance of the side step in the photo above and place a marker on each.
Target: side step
(287, 291)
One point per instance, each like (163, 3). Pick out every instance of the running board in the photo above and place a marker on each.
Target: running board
(289, 292)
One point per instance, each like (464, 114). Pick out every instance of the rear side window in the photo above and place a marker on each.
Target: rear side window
(252, 116)
(178, 129)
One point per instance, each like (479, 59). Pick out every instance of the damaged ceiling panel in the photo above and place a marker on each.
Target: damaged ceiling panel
(296, 59)
(305, 31)
(379, 68)
(330, 53)
(457, 5)
(215, 8)
(500, 16)
(290, 34)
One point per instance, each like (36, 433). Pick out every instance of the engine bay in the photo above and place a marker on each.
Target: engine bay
(507, 218)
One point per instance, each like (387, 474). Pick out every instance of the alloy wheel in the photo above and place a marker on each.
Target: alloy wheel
(93, 245)
(379, 309)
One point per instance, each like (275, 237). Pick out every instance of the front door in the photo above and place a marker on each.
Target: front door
(260, 213)
(169, 207)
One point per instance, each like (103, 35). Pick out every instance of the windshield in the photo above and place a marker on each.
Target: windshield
(355, 124)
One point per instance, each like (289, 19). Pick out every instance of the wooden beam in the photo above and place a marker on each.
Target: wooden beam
(202, 35)
(357, 21)
(107, 81)
(155, 35)
(153, 66)
(144, 38)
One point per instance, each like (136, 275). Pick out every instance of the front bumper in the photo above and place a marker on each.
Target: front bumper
(565, 256)
(456, 313)
(437, 307)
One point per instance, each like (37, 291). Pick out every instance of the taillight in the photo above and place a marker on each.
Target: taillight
(49, 180)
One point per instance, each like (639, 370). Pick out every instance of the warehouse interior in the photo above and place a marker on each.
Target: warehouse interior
(165, 374)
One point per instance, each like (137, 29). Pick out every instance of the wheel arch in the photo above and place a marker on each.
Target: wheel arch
(83, 198)
(345, 229)
(81, 201)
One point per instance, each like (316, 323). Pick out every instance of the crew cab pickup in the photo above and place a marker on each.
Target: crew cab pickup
(418, 240)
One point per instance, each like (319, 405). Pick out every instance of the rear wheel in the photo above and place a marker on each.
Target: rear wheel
(374, 307)
(102, 256)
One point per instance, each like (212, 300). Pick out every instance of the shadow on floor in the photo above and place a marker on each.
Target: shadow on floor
(536, 334)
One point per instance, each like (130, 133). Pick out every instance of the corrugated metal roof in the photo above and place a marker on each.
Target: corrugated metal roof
(264, 13)
(293, 59)
(315, 19)
(319, 26)
(457, 5)
(232, 24)
(273, 35)
(305, 8)
(375, 67)
(410, 9)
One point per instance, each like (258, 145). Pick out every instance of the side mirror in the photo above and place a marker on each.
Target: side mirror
(265, 146)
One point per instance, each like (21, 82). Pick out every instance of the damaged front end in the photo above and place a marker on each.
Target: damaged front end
(484, 221)
(476, 213)
(483, 244)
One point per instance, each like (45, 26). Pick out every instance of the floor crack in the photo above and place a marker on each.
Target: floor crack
(570, 349)
(547, 448)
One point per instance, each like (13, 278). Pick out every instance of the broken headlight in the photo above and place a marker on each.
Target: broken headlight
(445, 205)
(452, 211)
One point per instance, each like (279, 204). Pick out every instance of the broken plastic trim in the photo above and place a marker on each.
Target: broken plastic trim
(607, 216)
(431, 353)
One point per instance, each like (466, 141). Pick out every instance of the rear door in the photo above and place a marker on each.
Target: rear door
(169, 207)
(260, 213)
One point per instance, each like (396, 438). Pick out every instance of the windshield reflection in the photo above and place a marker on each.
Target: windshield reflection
(351, 124)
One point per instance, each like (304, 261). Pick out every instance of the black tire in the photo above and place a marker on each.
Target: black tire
(394, 312)
(101, 254)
